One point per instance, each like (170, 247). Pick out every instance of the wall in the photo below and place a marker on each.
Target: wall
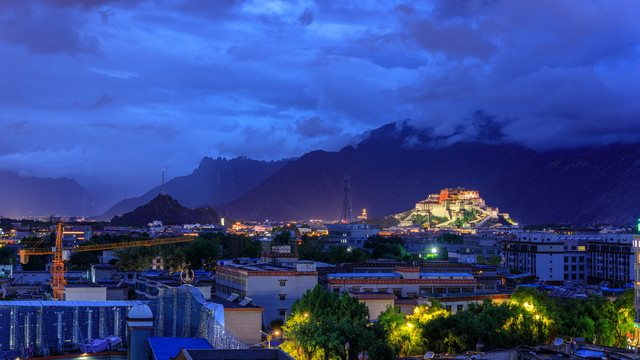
(244, 323)
(85, 293)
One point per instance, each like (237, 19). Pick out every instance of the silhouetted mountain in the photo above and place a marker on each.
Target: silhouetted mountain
(25, 196)
(395, 166)
(214, 182)
(169, 211)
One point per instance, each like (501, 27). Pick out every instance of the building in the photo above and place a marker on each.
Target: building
(75, 235)
(351, 234)
(572, 259)
(270, 284)
(403, 282)
(242, 319)
(377, 303)
(610, 258)
(458, 302)
(539, 253)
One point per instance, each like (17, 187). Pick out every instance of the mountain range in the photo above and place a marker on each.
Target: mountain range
(397, 165)
(215, 181)
(23, 196)
(393, 167)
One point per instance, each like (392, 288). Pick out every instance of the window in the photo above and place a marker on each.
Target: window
(282, 297)
(573, 259)
(448, 307)
(566, 268)
(282, 312)
(283, 282)
(460, 307)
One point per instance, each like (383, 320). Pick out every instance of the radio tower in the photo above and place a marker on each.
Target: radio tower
(163, 193)
(346, 204)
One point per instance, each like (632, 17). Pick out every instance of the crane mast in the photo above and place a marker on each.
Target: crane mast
(60, 255)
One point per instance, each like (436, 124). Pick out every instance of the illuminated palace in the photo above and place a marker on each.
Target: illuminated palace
(451, 201)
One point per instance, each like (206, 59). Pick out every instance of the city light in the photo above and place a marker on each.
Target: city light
(434, 250)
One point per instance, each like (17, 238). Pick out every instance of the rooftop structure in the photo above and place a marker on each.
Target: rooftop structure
(54, 327)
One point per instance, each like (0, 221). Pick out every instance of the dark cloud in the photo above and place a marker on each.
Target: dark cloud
(314, 127)
(103, 100)
(45, 29)
(306, 18)
(456, 40)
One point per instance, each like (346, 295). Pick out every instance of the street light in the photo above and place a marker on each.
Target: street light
(270, 336)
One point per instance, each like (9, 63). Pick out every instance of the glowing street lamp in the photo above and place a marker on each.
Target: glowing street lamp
(270, 336)
(434, 250)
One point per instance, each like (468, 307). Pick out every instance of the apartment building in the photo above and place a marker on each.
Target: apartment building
(270, 285)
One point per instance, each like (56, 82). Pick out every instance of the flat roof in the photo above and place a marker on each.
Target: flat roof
(73, 303)
(164, 348)
(445, 274)
(386, 274)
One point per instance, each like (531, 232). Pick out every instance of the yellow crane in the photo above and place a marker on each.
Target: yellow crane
(60, 255)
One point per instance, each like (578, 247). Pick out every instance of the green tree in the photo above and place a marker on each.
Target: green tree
(83, 260)
(201, 253)
(7, 255)
(321, 323)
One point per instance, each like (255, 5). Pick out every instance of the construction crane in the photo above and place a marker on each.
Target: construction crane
(60, 255)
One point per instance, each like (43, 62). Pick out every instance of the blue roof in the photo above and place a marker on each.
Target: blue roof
(607, 289)
(586, 353)
(379, 274)
(445, 274)
(163, 348)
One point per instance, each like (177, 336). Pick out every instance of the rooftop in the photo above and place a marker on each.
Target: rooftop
(164, 348)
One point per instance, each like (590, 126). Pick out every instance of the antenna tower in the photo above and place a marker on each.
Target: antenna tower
(163, 193)
(346, 204)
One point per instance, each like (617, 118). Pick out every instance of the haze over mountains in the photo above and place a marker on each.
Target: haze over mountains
(392, 168)
(32, 196)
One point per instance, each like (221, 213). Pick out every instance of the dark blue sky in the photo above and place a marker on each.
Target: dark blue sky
(111, 92)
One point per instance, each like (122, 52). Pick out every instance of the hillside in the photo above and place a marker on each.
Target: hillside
(169, 211)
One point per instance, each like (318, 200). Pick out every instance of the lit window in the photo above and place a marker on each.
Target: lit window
(283, 283)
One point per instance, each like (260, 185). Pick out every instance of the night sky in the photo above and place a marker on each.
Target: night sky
(111, 92)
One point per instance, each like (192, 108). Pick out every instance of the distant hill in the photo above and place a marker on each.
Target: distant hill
(25, 196)
(395, 166)
(169, 211)
(215, 181)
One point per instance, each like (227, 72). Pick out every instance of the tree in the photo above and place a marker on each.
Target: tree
(491, 260)
(83, 260)
(321, 323)
(7, 255)
(201, 253)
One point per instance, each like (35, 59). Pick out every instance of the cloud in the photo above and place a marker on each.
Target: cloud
(314, 127)
(171, 81)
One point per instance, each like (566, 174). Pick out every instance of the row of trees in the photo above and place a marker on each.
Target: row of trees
(321, 324)
(198, 254)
